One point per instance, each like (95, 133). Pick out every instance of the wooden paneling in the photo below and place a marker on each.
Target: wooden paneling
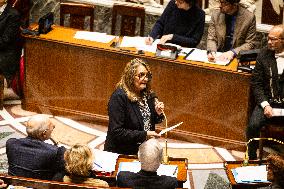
(70, 76)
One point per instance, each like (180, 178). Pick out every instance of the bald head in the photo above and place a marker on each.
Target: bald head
(276, 39)
(150, 155)
(40, 127)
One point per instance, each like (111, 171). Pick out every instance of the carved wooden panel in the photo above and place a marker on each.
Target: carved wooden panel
(78, 13)
(128, 15)
(269, 16)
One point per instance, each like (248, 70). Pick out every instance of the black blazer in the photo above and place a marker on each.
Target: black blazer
(145, 180)
(9, 35)
(266, 68)
(33, 158)
(126, 128)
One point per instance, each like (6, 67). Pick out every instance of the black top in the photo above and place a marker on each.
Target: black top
(9, 35)
(145, 180)
(126, 128)
(187, 26)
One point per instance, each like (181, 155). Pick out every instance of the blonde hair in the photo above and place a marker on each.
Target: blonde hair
(127, 80)
(78, 160)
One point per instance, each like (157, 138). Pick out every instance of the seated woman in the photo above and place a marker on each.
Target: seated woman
(78, 164)
(276, 171)
(181, 23)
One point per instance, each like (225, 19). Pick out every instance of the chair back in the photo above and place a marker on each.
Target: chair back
(78, 13)
(129, 16)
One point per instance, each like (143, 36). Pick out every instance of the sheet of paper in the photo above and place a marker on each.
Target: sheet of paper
(104, 161)
(170, 128)
(277, 112)
(201, 56)
(139, 43)
(168, 170)
(250, 174)
(94, 36)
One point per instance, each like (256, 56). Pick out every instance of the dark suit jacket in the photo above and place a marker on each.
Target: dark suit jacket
(126, 128)
(266, 68)
(33, 158)
(145, 180)
(9, 35)
(244, 32)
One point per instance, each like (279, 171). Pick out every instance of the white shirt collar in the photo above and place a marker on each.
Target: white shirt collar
(2, 8)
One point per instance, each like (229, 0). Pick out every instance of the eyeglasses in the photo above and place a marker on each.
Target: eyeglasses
(143, 75)
(273, 38)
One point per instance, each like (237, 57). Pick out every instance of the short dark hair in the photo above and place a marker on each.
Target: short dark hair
(233, 1)
(190, 1)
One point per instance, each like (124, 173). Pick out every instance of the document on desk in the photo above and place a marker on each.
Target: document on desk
(277, 112)
(135, 166)
(248, 174)
(104, 161)
(139, 43)
(201, 56)
(94, 36)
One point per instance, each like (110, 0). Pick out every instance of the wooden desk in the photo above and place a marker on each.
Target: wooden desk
(70, 76)
(182, 164)
(234, 164)
(43, 184)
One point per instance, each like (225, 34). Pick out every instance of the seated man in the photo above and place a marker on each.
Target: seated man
(9, 34)
(31, 156)
(150, 155)
(231, 29)
(268, 86)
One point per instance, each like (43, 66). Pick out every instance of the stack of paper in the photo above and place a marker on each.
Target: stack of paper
(277, 112)
(250, 174)
(104, 161)
(201, 56)
(94, 36)
(135, 166)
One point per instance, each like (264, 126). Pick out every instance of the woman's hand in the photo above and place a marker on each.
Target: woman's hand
(166, 38)
(153, 134)
(159, 106)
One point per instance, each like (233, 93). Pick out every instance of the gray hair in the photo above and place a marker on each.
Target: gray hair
(280, 28)
(37, 124)
(150, 155)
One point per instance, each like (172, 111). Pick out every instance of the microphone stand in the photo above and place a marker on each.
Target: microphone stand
(166, 157)
(246, 158)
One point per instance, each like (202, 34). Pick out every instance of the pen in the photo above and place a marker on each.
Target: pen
(98, 165)
(185, 58)
(175, 170)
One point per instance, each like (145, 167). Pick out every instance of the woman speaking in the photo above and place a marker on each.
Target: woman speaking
(133, 110)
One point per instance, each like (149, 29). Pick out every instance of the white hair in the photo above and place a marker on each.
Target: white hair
(150, 155)
(37, 124)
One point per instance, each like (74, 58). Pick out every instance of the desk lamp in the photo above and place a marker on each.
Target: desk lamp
(246, 158)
